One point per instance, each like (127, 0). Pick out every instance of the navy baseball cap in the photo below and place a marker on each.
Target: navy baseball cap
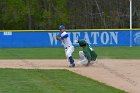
(61, 27)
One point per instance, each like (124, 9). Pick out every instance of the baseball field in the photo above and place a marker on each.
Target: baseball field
(45, 70)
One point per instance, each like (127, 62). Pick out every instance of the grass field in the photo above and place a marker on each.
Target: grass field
(56, 81)
(49, 81)
(58, 53)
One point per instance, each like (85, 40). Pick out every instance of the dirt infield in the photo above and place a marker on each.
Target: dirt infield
(119, 73)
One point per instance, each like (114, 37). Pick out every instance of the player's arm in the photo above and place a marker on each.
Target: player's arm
(59, 37)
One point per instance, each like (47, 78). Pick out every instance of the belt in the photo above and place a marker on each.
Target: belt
(67, 47)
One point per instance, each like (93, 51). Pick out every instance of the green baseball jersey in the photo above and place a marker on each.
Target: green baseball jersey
(88, 51)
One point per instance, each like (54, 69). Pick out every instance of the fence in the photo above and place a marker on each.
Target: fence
(20, 39)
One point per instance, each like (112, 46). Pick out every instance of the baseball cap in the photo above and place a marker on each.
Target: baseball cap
(61, 27)
(82, 42)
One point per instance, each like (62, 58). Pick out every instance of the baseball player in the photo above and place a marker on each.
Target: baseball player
(88, 55)
(69, 48)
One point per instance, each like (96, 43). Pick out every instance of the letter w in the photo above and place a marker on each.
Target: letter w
(52, 37)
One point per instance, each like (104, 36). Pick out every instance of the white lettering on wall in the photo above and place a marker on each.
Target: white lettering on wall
(104, 38)
(113, 37)
(52, 37)
(7, 33)
(87, 37)
(95, 37)
(76, 35)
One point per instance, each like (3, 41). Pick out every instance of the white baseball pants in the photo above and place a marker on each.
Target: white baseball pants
(68, 51)
(83, 60)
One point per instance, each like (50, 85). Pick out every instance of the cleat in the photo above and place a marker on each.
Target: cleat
(87, 64)
(72, 65)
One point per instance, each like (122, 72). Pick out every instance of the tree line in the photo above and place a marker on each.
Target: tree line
(75, 14)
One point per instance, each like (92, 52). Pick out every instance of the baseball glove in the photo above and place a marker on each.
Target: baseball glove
(58, 38)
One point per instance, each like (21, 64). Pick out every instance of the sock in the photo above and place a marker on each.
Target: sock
(71, 60)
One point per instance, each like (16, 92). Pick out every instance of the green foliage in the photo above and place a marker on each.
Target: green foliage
(32, 14)
(76, 14)
(12, 15)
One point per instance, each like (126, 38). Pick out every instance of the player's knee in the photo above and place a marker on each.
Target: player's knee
(80, 53)
(68, 55)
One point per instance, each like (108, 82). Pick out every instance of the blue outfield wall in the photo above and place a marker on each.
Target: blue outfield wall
(48, 38)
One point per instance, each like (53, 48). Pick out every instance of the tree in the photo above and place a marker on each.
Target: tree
(76, 14)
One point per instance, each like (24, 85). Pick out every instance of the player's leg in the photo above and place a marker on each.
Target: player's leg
(81, 55)
(83, 60)
(69, 52)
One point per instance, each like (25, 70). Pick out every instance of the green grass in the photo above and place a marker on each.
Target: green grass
(58, 53)
(118, 52)
(49, 81)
